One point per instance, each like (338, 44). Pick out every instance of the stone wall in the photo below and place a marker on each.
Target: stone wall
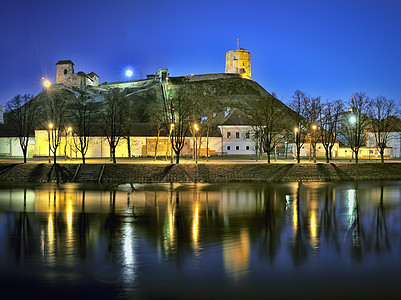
(193, 78)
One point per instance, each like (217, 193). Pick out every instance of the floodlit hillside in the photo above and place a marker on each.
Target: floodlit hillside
(222, 90)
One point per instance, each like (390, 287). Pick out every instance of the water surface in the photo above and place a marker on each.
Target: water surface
(186, 241)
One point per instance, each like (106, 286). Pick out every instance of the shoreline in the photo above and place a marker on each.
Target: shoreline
(207, 173)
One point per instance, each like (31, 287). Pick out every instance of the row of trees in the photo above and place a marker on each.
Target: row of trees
(325, 122)
(177, 112)
(79, 116)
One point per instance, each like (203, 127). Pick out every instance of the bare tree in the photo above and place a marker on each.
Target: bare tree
(329, 121)
(298, 105)
(270, 120)
(54, 106)
(22, 112)
(353, 127)
(83, 117)
(312, 107)
(113, 119)
(382, 113)
(178, 114)
(157, 124)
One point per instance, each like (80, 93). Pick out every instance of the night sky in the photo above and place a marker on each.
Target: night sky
(325, 48)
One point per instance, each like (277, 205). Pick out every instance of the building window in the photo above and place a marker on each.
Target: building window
(228, 148)
(237, 135)
(247, 147)
(65, 71)
(247, 135)
(236, 147)
(229, 135)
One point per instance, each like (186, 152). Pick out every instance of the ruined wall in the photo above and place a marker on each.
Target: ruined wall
(194, 78)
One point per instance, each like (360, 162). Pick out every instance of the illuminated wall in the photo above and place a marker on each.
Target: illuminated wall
(99, 146)
(10, 147)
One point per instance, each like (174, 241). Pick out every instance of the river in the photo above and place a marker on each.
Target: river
(196, 241)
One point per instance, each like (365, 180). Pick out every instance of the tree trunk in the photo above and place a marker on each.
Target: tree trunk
(193, 147)
(327, 155)
(24, 150)
(55, 157)
(207, 145)
(356, 157)
(113, 154)
(382, 155)
(268, 156)
(157, 142)
(83, 158)
(298, 154)
(314, 153)
(129, 146)
(177, 157)
(199, 147)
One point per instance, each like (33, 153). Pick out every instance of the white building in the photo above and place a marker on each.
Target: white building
(236, 133)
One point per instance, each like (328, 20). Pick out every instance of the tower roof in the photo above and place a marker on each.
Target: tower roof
(65, 62)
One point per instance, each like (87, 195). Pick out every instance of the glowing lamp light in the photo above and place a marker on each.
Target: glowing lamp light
(69, 129)
(352, 119)
(296, 129)
(47, 83)
(314, 127)
(128, 73)
(196, 127)
(51, 126)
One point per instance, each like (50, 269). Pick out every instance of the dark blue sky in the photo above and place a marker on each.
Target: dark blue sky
(323, 47)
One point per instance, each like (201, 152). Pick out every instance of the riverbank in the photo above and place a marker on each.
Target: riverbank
(158, 173)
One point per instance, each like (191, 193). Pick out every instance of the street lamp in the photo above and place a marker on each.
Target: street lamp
(171, 143)
(50, 129)
(46, 83)
(196, 128)
(314, 127)
(69, 133)
(129, 73)
(296, 142)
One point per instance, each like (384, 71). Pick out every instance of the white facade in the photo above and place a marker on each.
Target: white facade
(237, 139)
(10, 147)
(394, 142)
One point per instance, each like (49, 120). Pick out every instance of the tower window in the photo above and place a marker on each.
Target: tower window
(65, 71)
(237, 135)
(236, 147)
(228, 148)
(229, 135)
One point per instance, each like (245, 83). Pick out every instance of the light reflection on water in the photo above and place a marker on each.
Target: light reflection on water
(179, 240)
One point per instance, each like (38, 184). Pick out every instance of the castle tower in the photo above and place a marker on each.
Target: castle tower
(65, 71)
(239, 61)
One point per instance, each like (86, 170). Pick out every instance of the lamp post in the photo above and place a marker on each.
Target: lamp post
(171, 143)
(69, 133)
(314, 142)
(296, 141)
(196, 128)
(50, 136)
